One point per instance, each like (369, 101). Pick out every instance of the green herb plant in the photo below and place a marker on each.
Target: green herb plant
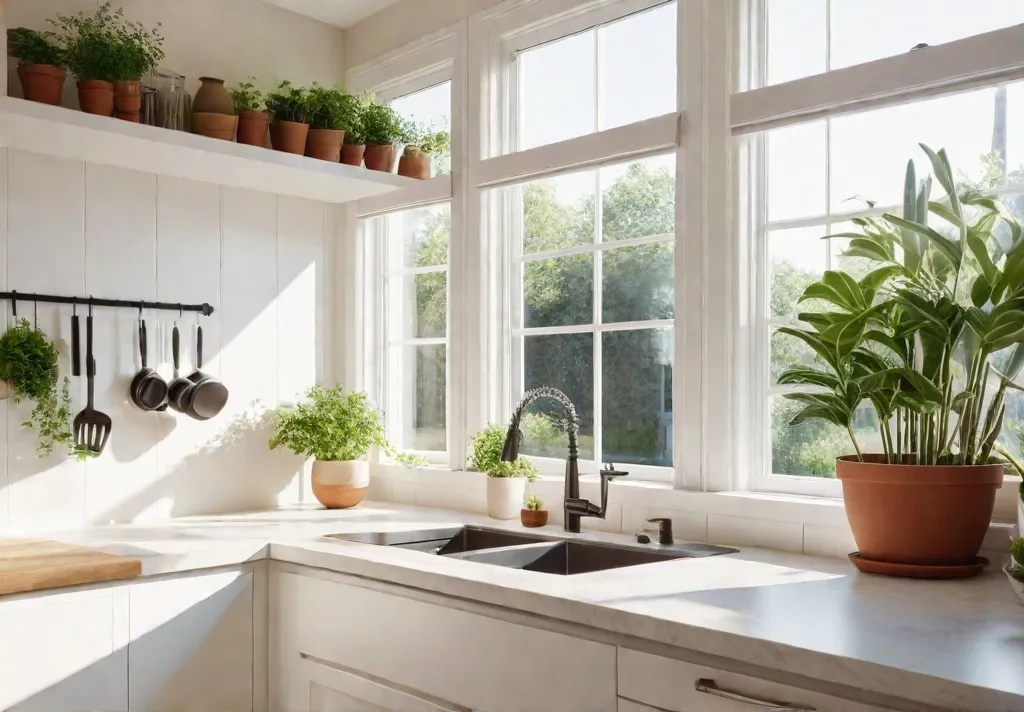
(33, 47)
(382, 125)
(289, 103)
(105, 46)
(487, 445)
(248, 97)
(355, 135)
(1016, 567)
(917, 336)
(426, 140)
(332, 108)
(534, 502)
(332, 425)
(29, 365)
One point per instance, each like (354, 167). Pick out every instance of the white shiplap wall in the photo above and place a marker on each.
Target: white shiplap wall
(72, 228)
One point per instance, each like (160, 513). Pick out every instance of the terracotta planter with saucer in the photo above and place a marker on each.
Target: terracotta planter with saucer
(340, 484)
(42, 83)
(96, 97)
(219, 126)
(128, 99)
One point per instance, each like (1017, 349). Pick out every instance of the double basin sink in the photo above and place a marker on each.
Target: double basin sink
(531, 552)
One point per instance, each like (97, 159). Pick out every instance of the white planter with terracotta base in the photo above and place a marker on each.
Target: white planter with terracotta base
(340, 485)
(505, 496)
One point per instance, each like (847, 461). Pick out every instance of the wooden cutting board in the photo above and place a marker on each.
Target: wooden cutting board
(34, 565)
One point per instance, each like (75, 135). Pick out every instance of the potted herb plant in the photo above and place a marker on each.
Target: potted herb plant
(290, 107)
(932, 338)
(382, 129)
(136, 52)
(506, 481)
(331, 112)
(533, 514)
(41, 62)
(354, 145)
(421, 146)
(337, 429)
(250, 105)
(29, 367)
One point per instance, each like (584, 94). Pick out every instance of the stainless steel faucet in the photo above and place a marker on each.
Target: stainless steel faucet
(574, 507)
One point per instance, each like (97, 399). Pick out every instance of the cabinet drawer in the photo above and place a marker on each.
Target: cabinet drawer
(671, 685)
(437, 652)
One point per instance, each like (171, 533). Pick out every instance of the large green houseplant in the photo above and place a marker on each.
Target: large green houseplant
(932, 338)
(337, 429)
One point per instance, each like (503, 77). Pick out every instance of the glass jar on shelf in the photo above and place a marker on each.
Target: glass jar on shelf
(165, 102)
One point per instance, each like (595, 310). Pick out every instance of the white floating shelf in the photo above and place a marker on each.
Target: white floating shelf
(55, 131)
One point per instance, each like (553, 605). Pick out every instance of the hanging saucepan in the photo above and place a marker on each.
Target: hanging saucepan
(178, 388)
(207, 396)
(148, 390)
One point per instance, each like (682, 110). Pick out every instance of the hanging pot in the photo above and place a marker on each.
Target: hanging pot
(380, 157)
(43, 83)
(96, 97)
(148, 390)
(207, 396)
(352, 155)
(179, 385)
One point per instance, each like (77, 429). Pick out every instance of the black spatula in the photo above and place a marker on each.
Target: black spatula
(92, 428)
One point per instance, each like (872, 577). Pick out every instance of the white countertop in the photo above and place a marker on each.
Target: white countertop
(954, 644)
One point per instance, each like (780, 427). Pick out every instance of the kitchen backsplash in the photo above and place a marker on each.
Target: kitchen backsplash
(80, 229)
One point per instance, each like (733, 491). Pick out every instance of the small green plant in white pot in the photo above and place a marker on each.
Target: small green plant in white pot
(506, 481)
(337, 429)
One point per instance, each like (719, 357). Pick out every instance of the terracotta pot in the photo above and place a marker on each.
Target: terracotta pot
(43, 83)
(505, 496)
(213, 98)
(133, 116)
(415, 166)
(127, 97)
(340, 485)
(219, 126)
(252, 128)
(380, 157)
(352, 155)
(96, 97)
(918, 514)
(289, 136)
(325, 144)
(533, 518)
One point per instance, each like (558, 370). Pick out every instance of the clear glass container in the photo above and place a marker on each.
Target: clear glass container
(165, 102)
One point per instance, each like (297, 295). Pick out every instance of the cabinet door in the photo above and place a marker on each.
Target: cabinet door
(331, 689)
(65, 652)
(192, 643)
(630, 706)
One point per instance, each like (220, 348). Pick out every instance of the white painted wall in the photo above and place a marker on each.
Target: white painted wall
(73, 228)
(230, 39)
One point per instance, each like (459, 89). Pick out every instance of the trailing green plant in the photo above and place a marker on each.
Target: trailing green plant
(426, 140)
(105, 46)
(33, 47)
(332, 108)
(248, 97)
(382, 125)
(29, 363)
(487, 445)
(289, 103)
(534, 502)
(917, 337)
(332, 425)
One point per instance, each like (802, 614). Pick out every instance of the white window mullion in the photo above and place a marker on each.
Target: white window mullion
(598, 343)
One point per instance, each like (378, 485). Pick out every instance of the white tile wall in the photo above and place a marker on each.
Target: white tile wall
(70, 228)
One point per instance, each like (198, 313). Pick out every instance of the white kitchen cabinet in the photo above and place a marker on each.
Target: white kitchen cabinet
(667, 685)
(65, 652)
(437, 654)
(192, 643)
(331, 689)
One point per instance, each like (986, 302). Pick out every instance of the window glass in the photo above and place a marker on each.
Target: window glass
(430, 109)
(636, 395)
(608, 76)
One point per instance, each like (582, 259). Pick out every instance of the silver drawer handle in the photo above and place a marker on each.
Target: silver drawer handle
(710, 687)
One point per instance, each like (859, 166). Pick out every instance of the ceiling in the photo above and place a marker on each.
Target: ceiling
(341, 13)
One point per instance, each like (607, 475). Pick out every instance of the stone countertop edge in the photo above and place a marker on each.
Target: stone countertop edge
(949, 644)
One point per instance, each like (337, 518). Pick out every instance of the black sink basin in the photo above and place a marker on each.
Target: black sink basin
(443, 540)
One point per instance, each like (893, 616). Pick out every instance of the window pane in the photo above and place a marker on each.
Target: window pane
(637, 283)
(811, 448)
(557, 98)
(558, 212)
(430, 108)
(423, 235)
(797, 257)
(638, 67)
(421, 418)
(636, 392)
(639, 199)
(797, 35)
(559, 292)
(796, 171)
(788, 351)
(425, 303)
(565, 362)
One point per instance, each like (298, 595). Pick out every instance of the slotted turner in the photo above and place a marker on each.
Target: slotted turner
(92, 428)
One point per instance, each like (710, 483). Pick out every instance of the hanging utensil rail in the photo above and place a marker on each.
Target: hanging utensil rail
(204, 309)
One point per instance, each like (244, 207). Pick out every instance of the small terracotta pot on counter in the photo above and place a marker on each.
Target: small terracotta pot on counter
(127, 98)
(380, 157)
(340, 484)
(325, 144)
(352, 154)
(252, 128)
(533, 518)
(415, 165)
(219, 126)
(96, 96)
(920, 515)
(289, 136)
(42, 83)
(213, 97)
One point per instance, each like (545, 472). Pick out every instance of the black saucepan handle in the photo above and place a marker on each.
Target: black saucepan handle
(143, 348)
(175, 346)
(76, 347)
(199, 348)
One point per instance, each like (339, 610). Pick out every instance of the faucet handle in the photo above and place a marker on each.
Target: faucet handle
(609, 472)
(664, 530)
